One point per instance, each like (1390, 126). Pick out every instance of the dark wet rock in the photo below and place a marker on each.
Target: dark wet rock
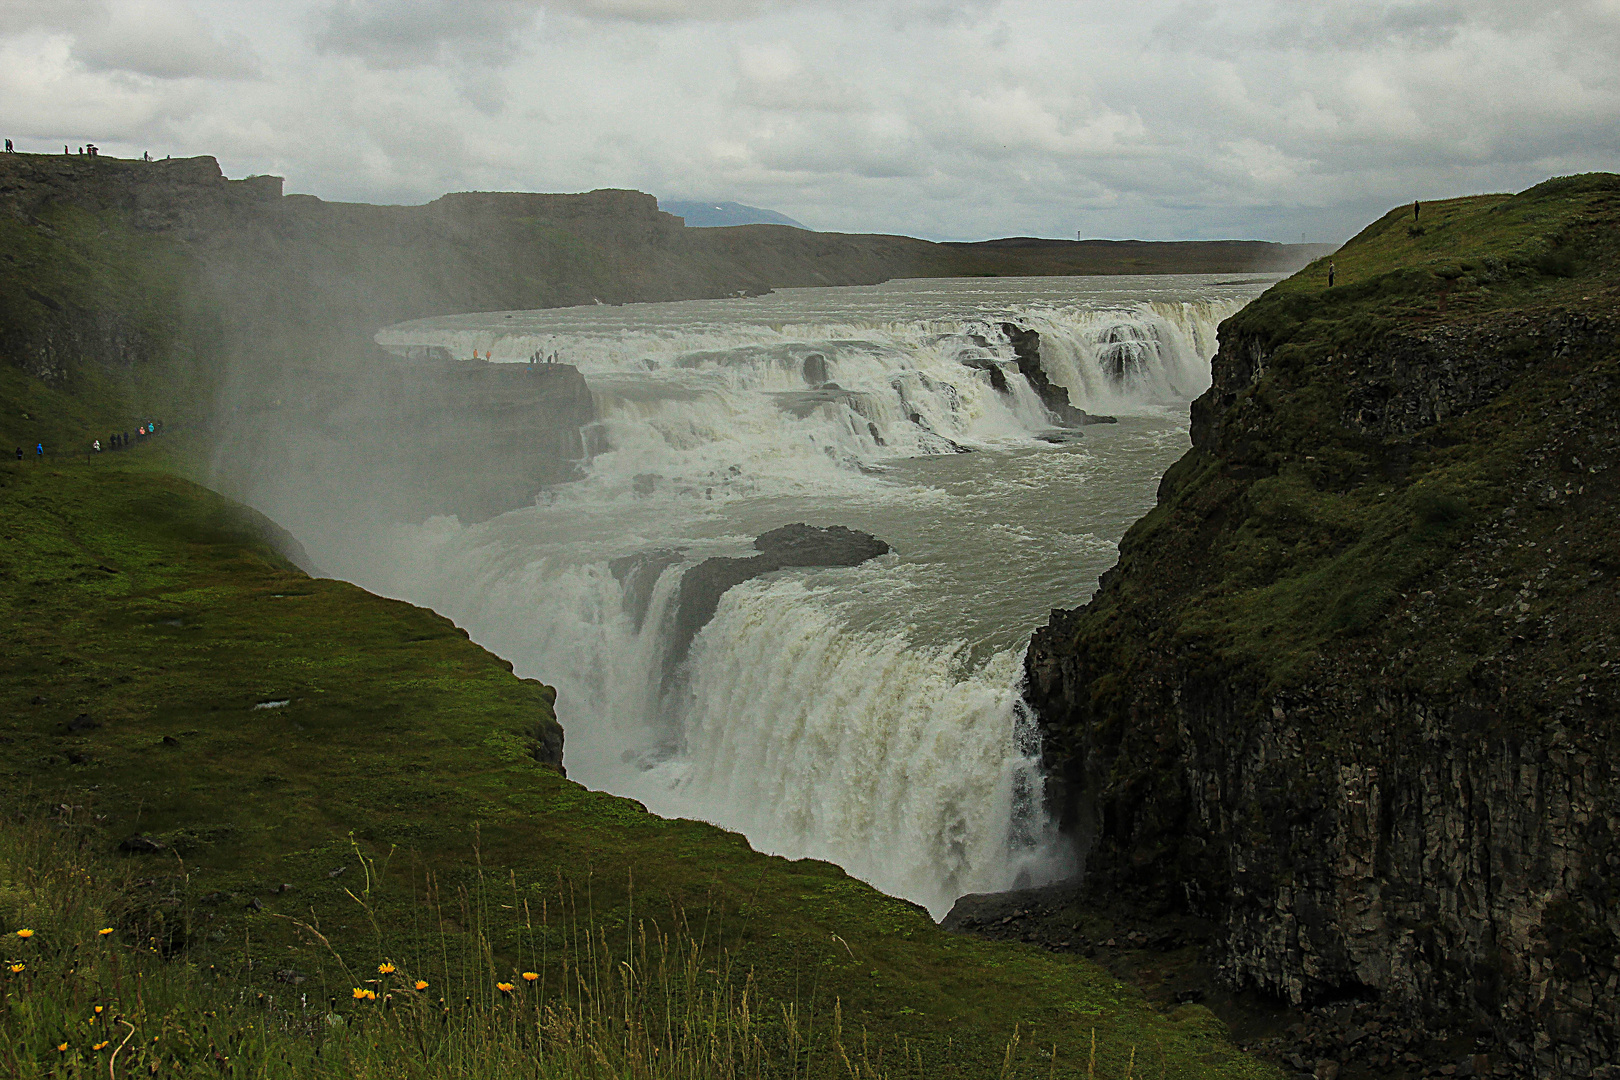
(998, 378)
(815, 369)
(807, 545)
(638, 574)
(82, 722)
(792, 545)
(170, 740)
(141, 844)
(645, 483)
(548, 743)
(1026, 346)
(700, 592)
(255, 905)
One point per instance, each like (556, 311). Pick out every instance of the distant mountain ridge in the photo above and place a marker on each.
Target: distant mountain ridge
(718, 215)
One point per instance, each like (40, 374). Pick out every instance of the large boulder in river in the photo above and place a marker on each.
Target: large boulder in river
(807, 545)
(791, 545)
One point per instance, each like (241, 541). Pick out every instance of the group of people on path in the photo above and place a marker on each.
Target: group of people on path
(539, 356)
(87, 150)
(118, 440)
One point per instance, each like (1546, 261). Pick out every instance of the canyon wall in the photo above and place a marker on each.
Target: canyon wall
(1351, 689)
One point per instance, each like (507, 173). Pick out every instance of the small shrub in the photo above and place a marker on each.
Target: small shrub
(1358, 608)
(1439, 509)
(1558, 263)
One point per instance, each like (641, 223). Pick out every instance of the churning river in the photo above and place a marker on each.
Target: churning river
(869, 715)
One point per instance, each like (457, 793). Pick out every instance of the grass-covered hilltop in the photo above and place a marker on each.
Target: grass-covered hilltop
(260, 823)
(1350, 693)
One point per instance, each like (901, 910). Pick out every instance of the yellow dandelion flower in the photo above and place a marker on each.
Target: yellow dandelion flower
(98, 1009)
(385, 969)
(105, 930)
(17, 968)
(359, 994)
(61, 1048)
(505, 988)
(421, 984)
(25, 934)
(530, 976)
(99, 1046)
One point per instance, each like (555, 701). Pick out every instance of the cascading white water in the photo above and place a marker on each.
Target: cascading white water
(867, 715)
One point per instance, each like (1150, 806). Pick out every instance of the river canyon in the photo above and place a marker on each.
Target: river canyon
(868, 715)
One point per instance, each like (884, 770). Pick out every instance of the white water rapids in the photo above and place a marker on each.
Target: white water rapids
(870, 716)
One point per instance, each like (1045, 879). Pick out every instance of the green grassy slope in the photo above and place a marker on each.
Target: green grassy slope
(1332, 521)
(154, 609)
(100, 329)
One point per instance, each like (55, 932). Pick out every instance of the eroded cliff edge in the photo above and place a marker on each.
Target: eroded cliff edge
(1351, 689)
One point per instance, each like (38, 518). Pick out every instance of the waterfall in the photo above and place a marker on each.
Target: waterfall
(844, 714)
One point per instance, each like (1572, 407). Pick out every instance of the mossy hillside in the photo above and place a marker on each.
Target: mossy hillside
(100, 329)
(1478, 253)
(150, 606)
(1294, 535)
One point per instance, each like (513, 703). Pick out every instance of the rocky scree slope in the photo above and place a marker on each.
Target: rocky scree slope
(1351, 689)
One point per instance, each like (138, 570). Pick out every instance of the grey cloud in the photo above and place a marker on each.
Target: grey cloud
(948, 118)
(21, 16)
(414, 33)
(774, 76)
(162, 40)
(659, 10)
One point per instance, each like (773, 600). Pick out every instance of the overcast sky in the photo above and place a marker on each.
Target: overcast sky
(949, 120)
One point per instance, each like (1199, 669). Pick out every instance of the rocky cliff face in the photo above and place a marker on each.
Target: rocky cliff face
(1351, 690)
